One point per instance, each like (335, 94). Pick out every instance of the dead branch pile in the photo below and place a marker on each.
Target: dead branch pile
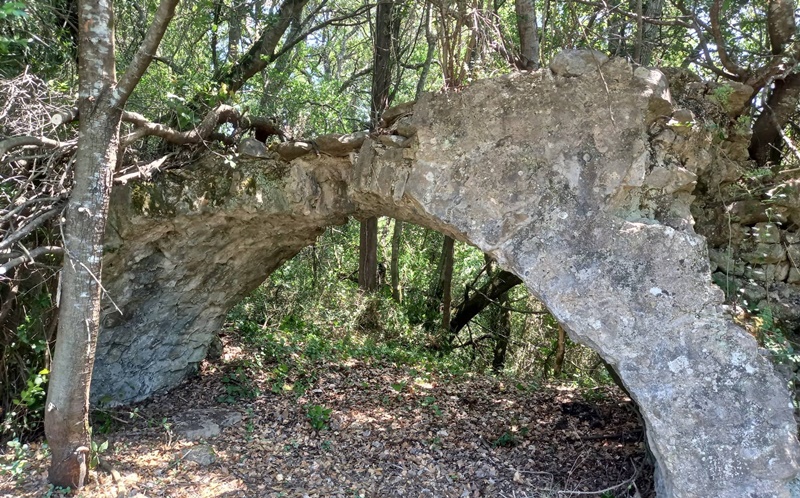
(35, 180)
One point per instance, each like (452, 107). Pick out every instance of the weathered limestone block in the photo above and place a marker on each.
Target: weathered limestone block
(564, 204)
(764, 254)
(340, 145)
(577, 62)
(293, 150)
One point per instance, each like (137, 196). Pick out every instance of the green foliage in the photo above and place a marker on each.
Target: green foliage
(15, 465)
(318, 416)
(511, 437)
(95, 450)
(238, 386)
(24, 363)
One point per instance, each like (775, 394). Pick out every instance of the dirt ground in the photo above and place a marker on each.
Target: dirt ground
(391, 431)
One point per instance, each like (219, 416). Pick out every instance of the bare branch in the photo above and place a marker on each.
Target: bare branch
(145, 171)
(36, 200)
(204, 131)
(719, 40)
(146, 52)
(14, 142)
(30, 227)
(30, 256)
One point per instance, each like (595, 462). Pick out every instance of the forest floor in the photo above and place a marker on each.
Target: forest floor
(383, 429)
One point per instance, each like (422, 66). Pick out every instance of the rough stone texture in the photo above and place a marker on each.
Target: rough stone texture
(578, 185)
(202, 454)
(577, 62)
(195, 425)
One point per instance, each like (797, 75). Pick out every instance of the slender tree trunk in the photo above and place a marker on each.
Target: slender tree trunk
(528, 34)
(561, 341)
(647, 34)
(447, 281)
(381, 83)
(394, 268)
(67, 407)
(100, 102)
(368, 255)
(236, 16)
(430, 39)
(502, 334)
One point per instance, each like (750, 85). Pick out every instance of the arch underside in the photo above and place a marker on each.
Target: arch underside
(563, 180)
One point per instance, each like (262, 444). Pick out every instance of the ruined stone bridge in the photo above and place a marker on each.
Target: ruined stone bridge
(570, 178)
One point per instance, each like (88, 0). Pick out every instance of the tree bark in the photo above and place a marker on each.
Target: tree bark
(650, 32)
(100, 104)
(500, 283)
(528, 34)
(446, 281)
(765, 144)
(368, 255)
(385, 29)
(263, 50)
(561, 340)
(502, 334)
(394, 268)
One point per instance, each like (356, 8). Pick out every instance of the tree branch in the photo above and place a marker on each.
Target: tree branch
(30, 227)
(146, 52)
(14, 142)
(204, 131)
(30, 256)
(719, 40)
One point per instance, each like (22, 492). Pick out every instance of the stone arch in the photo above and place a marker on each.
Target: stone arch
(564, 177)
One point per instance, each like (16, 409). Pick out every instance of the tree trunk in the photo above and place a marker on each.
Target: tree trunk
(381, 83)
(502, 334)
(558, 366)
(100, 103)
(385, 27)
(430, 39)
(528, 34)
(765, 144)
(648, 34)
(236, 16)
(394, 268)
(500, 283)
(368, 255)
(447, 281)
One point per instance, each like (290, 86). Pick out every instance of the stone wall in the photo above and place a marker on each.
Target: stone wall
(750, 217)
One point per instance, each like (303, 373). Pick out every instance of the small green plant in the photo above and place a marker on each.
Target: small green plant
(722, 96)
(238, 386)
(430, 401)
(318, 416)
(325, 446)
(56, 491)
(15, 467)
(96, 451)
(511, 438)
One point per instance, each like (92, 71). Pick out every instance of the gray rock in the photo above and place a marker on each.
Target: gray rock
(392, 140)
(766, 232)
(253, 148)
(340, 145)
(202, 454)
(292, 150)
(392, 114)
(198, 424)
(564, 204)
(577, 62)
